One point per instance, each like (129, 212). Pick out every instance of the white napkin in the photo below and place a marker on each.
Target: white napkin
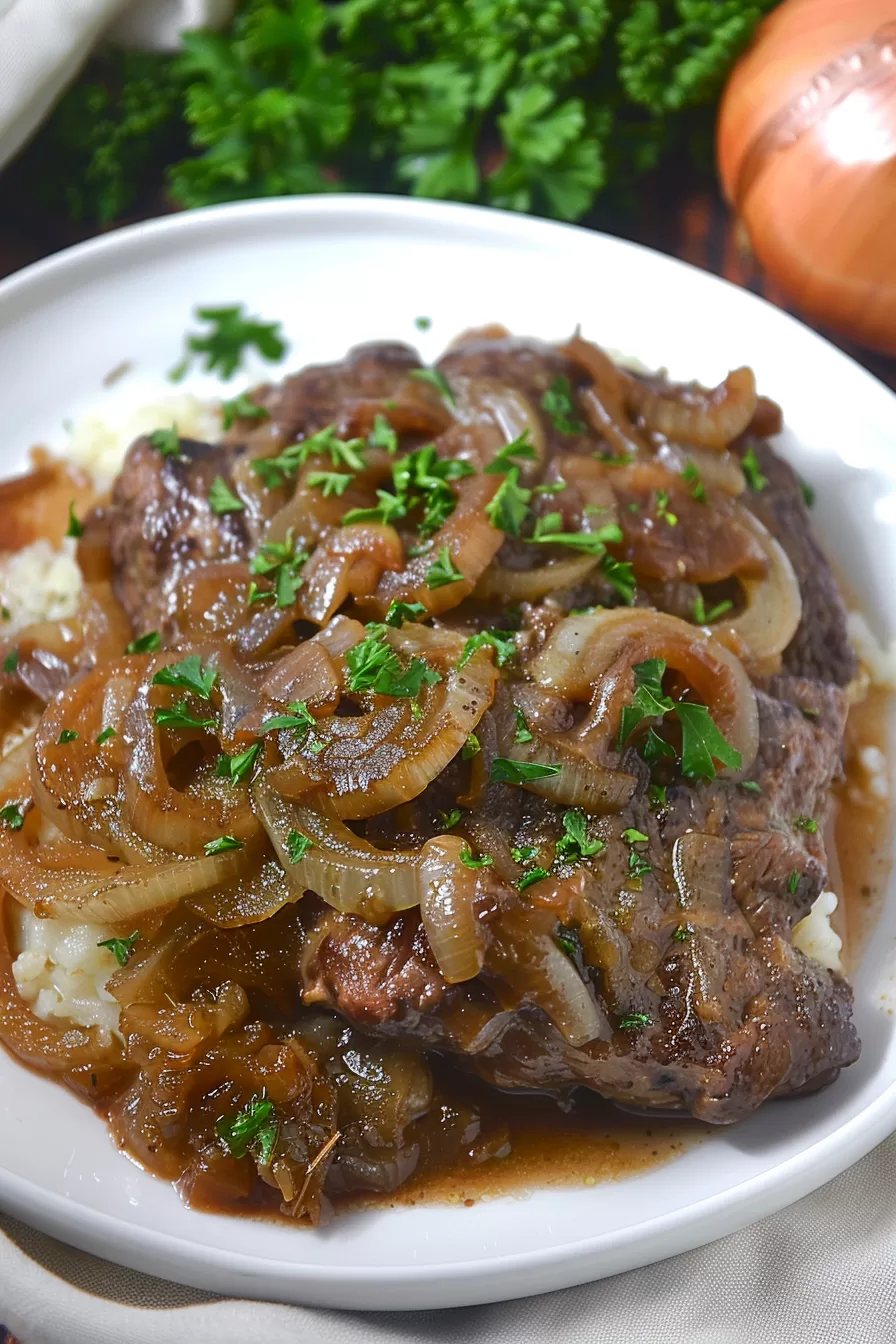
(43, 44)
(822, 1272)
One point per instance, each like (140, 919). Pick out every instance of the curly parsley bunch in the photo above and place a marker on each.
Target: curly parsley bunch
(531, 105)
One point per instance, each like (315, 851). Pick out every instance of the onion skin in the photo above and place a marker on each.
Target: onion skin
(806, 145)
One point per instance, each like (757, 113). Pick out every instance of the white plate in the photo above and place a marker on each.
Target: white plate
(336, 271)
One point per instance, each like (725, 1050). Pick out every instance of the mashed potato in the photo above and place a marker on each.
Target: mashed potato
(99, 444)
(61, 972)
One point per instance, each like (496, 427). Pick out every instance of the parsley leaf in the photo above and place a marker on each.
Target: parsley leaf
(522, 734)
(467, 859)
(502, 641)
(122, 949)
(382, 435)
(11, 662)
(631, 836)
(443, 571)
(508, 508)
(253, 1129)
(752, 471)
(662, 508)
(648, 702)
(242, 407)
(793, 882)
(635, 1021)
(574, 844)
(229, 336)
(190, 674)
(751, 786)
(330, 482)
(239, 767)
(506, 771)
(297, 846)
(521, 448)
(299, 716)
(222, 845)
(682, 934)
(167, 443)
(548, 532)
(148, 643)
(621, 575)
(695, 481)
(375, 666)
(704, 617)
(105, 736)
(808, 824)
(67, 735)
(222, 499)
(280, 563)
(471, 748)
(531, 877)
(702, 743)
(180, 717)
(557, 402)
(450, 819)
(12, 817)
(438, 381)
(75, 526)
(399, 612)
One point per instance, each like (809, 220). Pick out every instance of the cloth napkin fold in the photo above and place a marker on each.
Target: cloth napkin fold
(821, 1272)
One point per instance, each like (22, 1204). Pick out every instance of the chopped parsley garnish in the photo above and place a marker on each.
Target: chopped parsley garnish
(702, 744)
(471, 748)
(122, 949)
(297, 846)
(808, 494)
(221, 498)
(662, 508)
(180, 717)
(67, 735)
(399, 612)
(808, 824)
(638, 866)
(467, 859)
(242, 407)
(793, 882)
(523, 853)
(508, 508)
(682, 934)
(631, 836)
(558, 404)
(635, 1021)
(506, 771)
(808, 713)
(275, 471)
(438, 381)
(238, 768)
(253, 1129)
(614, 459)
(280, 563)
(230, 335)
(557, 488)
(574, 844)
(75, 526)
(751, 786)
(190, 675)
(389, 510)
(5, 614)
(502, 641)
(621, 575)
(704, 617)
(299, 716)
(423, 323)
(418, 478)
(697, 489)
(148, 643)
(755, 478)
(382, 435)
(522, 733)
(657, 795)
(11, 662)
(648, 701)
(330, 483)
(105, 736)
(167, 443)
(520, 448)
(548, 532)
(450, 819)
(12, 817)
(567, 941)
(656, 748)
(222, 845)
(375, 666)
(529, 879)
(443, 571)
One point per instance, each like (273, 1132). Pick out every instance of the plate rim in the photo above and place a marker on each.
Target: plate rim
(516, 1274)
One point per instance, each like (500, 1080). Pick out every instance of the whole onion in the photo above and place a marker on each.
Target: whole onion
(807, 156)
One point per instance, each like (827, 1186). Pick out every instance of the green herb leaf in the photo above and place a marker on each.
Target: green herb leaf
(330, 482)
(523, 853)
(189, 674)
(471, 748)
(702, 744)
(12, 817)
(239, 767)
(568, 941)
(695, 481)
(299, 716)
(242, 407)
(280, 563)
(751, 786)
(167, 443)
(383, 435)
(105, 736)
(502, 641)
(122, 949)
(548, 533)
(297, 846)
(662, 509)
(508, 508)
(181, 717)
(11, 662)
(520, 448)
(67, 735)
(467, 859)
(438, 380)
(75, 527)
(656, 748)
(221, 498)
(648, 701)
(231, 334)
(808, 824)
(423, 323)
(148, 643)
(450, 819)
(558, 404)
(531, 877)
(631, 836)
(223, 845)
(443, 571)
(622, 576)
(399, 612)
(752, 471)
(635, 1021)
(375, 666)
(574, 845)
(522, 734)
(808, 494)
(506, 771)
(253, 1129)
(682, 934)
(793, 882)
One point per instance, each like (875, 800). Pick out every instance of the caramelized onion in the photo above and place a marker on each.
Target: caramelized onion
(348, 562)
(774, 607)
(711, 418)
(447, 896)
(135, 889)
(528, 585)
(604, 403)
(701, 865)
(540, 973)
(718, 471)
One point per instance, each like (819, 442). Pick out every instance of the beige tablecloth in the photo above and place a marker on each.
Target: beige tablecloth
(822, 1272)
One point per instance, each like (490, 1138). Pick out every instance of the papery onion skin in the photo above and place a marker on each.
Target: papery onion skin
(805, 146)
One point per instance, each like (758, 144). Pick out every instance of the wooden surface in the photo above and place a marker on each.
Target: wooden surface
(693, 225)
